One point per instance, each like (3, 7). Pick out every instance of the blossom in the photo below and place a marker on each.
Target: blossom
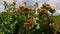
(43, 10)
(29, 23)
(52, 10)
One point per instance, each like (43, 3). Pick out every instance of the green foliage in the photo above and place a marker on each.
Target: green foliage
(15, 22)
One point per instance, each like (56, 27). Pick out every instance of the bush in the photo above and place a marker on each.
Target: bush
(24, 21)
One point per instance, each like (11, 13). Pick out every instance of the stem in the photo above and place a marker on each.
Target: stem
(52, 17)
(55, 32)
(16, 29)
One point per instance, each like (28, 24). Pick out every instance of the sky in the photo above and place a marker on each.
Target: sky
(54, 3)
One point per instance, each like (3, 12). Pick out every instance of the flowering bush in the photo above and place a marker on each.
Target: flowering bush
(23, 20)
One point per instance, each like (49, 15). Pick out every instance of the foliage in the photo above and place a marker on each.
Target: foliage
(23, 20)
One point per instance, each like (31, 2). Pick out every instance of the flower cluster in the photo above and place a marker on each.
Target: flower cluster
(24, 8)
(30, 23)
(42, 11)
(45, 8)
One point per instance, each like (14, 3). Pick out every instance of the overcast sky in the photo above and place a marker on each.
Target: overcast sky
(54, 3)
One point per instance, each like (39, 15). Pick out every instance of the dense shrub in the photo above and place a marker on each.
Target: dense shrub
(24, 20)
